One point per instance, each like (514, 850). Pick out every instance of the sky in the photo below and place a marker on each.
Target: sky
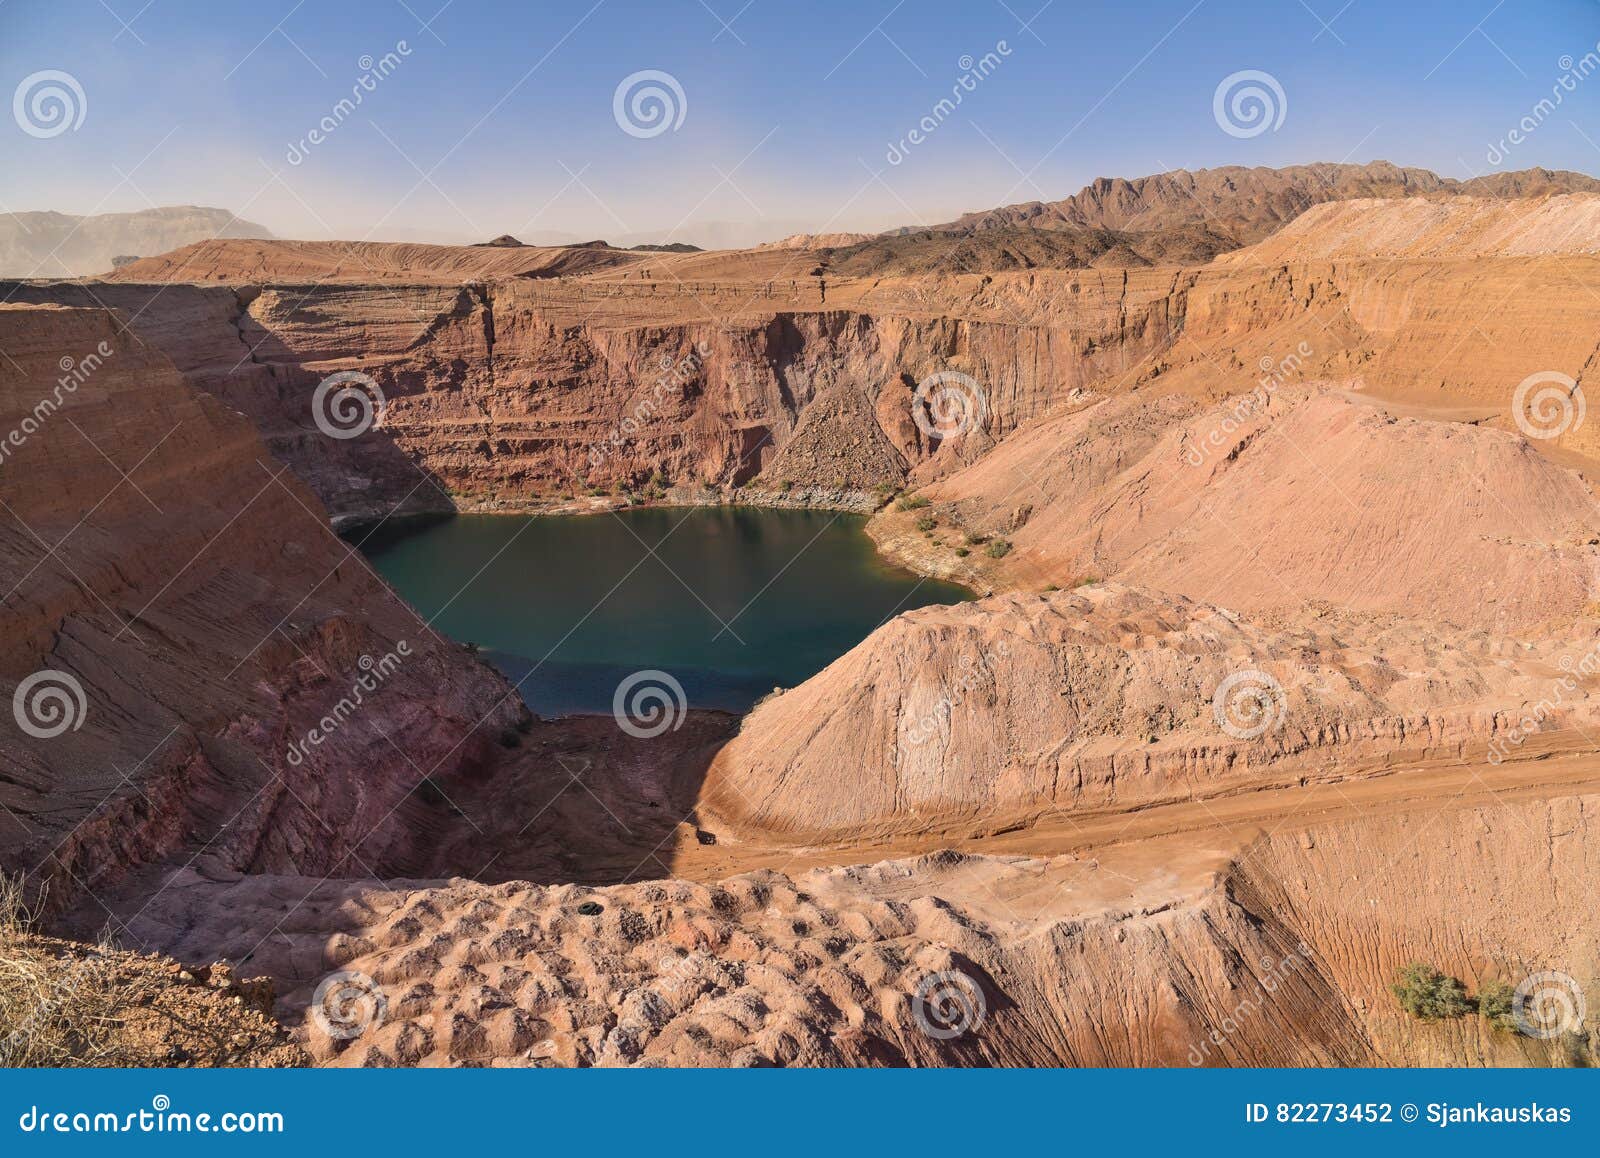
(478, 118)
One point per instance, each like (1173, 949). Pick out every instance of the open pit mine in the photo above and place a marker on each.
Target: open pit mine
(1275, 493)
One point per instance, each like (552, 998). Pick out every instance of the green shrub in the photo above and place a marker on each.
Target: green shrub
(974, 539)
(911, 502)
(962, 552)
(998, 549)
(1494, 1004)
(1428, 995)
(927, 523)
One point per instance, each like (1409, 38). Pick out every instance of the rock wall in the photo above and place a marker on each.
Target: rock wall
(183, 593)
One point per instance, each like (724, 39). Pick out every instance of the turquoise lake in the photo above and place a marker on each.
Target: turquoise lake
(731, 601)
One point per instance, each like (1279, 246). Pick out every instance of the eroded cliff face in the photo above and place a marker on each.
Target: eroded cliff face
(542, 376)
(184, 622)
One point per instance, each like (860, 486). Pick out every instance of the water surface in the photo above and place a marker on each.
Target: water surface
(731, 601)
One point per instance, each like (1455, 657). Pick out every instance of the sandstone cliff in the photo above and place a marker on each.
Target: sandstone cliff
(184, 618)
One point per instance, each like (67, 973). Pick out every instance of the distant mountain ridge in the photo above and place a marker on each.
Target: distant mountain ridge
(49, 244)
(1246, 204)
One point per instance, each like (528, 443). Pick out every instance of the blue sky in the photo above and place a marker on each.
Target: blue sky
(499, 117)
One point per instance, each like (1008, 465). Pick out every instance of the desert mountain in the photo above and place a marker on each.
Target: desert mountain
(1247, 204)
(61, 245)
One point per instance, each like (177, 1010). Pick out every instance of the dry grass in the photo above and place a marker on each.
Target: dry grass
(56, 1008)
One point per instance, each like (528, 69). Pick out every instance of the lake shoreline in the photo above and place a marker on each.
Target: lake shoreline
(733, 601)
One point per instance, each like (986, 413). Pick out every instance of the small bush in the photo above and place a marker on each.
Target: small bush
(927, 523)
(1051, 587)
(974, 539)
(1494, 1005)
(1086, 581)
(998, 549)
(962, 552)
(911, 502)
(54, 1010)
(660, 481)
(1428, 995)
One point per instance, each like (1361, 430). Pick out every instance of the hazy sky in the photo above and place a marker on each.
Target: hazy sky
(501, 117)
